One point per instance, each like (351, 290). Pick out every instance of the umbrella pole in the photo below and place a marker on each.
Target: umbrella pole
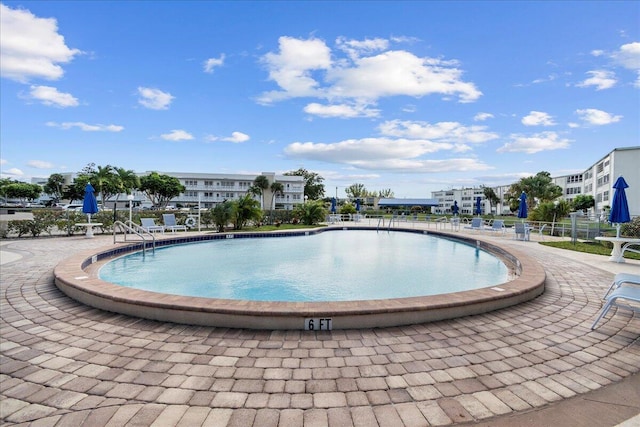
(618, 230)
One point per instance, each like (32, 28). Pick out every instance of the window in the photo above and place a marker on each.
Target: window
(208, 183)
(599, 168)
(191, 182)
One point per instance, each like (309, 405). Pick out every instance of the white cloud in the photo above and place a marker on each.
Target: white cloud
(538, 118)
(395, 155)
(12, 172)
(86, 127)
(344, 111)
(212, 63)
(544, 141)
(306, 68)
(40, 164)
(451, 132)
(481, 117)
(3, 161)
(601, 79)
(154, 99)
(596, 117)
(30, 47)
(394, 73)
(291, 67)
(628, 56)
(356, 48)
(48, 95)
(177, 135)
(549, 78)
(236, 138)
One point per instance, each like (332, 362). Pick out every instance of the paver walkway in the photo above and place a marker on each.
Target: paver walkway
(62, 363)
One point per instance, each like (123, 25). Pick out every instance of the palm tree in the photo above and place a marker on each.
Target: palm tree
(127, 180)
(105, 181)
(246, 209)
(276, 188)
(311, 212)
(223, 213)
(261, 183)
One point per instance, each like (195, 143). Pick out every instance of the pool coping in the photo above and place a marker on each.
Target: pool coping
(77, 277)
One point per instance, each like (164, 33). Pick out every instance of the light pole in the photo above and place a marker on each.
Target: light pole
(555, 212)
(130, 199)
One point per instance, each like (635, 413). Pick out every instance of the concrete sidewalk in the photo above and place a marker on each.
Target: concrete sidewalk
(534, 364)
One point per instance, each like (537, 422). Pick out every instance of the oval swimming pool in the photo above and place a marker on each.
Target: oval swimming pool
(329, 266)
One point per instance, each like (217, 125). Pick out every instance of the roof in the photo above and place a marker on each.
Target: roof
(408, 202)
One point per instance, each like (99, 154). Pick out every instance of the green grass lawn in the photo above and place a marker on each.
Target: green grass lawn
(596, 248)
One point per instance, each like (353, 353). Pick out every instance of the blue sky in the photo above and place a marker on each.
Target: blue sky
(409, 96)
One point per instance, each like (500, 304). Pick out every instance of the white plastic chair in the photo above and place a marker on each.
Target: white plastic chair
(149, 224)
(622, 278)
(629, 293)
(171, 224)
(522, 232)
(476, 224)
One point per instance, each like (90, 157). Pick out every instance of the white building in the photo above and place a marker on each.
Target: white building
(209, 189)
(596, 180)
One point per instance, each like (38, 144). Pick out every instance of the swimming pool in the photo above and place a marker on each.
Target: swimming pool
(330, 266)
(77, 276)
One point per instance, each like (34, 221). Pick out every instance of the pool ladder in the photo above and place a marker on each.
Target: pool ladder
(130, 228)
(381, 221)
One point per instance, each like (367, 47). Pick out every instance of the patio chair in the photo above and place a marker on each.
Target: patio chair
(629, 293)
(522, 231)
(498, 226)
(149, 225)
(476, 224)
(622, 278)
(171, 224)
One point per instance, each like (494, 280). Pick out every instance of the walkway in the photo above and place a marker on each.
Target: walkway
(63, 363)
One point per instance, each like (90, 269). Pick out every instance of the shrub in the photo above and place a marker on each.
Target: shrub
(631, 229)
(26, 226)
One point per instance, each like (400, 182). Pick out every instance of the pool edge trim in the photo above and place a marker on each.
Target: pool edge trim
(77, 277)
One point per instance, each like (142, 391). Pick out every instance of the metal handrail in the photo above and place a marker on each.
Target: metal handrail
(131, 227)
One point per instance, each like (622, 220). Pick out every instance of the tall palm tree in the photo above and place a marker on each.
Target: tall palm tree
(105, 180)
(262, 183)
(127, 180)
(276, 188)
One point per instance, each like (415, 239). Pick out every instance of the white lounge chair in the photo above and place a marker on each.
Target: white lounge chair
(629, 293)
(622, 278)
(476, 224)
(171, 224)
(149, 224)
(522, 231)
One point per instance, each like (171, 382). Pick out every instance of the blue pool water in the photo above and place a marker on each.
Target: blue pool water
(328, 266)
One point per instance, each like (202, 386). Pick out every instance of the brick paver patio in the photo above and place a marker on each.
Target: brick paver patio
(63, 363)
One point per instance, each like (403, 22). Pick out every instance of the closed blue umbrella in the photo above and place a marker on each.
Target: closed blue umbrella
(357, 205)
(455, 208)
(333, 205)
(619, 207)
(478, 206)
(522, 209)
(89, 204)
